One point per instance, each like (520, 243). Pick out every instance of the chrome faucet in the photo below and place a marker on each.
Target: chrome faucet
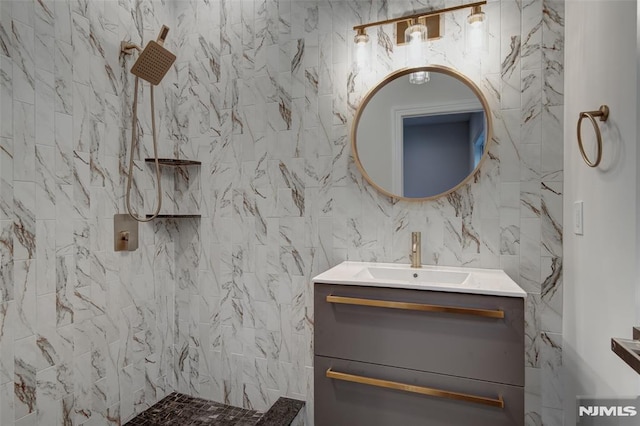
(416, 249)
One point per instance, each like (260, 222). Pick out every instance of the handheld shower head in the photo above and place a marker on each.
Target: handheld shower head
(152, 65)
(155, 61)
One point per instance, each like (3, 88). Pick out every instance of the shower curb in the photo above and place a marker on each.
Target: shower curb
(284, 412)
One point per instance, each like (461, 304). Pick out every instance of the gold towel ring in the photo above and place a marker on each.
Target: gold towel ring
(603, 113)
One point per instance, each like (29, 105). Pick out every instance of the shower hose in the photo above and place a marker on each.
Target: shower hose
(134, 143)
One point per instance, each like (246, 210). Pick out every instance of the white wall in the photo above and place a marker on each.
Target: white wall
(600, 266)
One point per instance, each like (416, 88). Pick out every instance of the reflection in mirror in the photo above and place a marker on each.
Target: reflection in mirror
(418, 142)
(439, 151)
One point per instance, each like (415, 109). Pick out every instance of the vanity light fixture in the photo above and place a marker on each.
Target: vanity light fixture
(430, 22)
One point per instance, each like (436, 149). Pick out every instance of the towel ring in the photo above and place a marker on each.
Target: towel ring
(603, 113)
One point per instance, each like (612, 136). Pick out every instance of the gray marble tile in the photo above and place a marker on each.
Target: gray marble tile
(6, 103)
(532, 17)
(552, 143)
(63, 73)
(507, 132)
(24, 141)
(551, 218)
(533, 341)
(23, 42)
(25, 378)
(530, 262)
(532, 123)
(6, 261)
(510, 52)
(64, 285)
(7, 413)
(6, 43)
(44, 107)
(64, 149)
(24, 275)
(553, 52)
(44, 35)
(551, 369)
(7, 347)
(551, 309)
(533, 414)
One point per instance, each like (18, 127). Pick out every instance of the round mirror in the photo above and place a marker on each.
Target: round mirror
(421, 141)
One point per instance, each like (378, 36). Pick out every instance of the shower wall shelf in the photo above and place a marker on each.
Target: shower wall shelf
(173, 162)
(176, 216)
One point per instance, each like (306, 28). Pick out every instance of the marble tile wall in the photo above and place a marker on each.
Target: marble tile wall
(85, 333)
(267, 95)
(263, 93)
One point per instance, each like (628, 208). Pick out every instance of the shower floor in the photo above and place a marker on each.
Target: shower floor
(179, 409)
(183, 410)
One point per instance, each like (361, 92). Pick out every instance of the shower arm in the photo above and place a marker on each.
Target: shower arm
(126, 47)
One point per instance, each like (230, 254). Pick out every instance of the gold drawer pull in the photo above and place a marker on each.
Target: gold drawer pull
(415, 389)
(415, 306)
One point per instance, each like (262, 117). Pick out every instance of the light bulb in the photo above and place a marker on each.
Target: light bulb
(476, 18)
(476, 31)
(361, 39)
(416, 38)
(361, 54)
(415, 33)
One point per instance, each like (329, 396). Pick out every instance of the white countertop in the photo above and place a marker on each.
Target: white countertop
(479, 281)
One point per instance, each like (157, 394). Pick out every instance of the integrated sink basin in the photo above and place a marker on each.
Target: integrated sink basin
(412, 275)
(439, 278)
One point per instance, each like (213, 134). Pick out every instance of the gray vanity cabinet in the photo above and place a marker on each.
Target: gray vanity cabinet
(387, 356)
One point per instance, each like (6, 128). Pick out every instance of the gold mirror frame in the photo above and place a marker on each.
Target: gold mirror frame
(405, 71)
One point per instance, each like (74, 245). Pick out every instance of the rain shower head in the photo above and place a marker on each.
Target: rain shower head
(155, 61)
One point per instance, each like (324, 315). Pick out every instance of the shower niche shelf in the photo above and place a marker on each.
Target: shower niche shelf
(176, 216)
(173, 162)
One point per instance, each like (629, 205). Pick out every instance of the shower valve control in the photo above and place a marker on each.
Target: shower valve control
(125, 233)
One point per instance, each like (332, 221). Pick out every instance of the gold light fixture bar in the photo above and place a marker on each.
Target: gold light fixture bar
(431, 19)
(418, 15)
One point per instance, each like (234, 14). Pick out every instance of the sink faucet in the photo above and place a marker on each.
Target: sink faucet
(416, 248)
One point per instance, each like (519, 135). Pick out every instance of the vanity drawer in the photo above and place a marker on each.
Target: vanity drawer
(346, 403)
(455, 343)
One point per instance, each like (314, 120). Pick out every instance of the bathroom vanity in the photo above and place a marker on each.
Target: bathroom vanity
(396, 345)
